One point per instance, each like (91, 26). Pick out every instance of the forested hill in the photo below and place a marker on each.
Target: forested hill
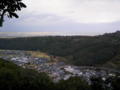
(78, 50)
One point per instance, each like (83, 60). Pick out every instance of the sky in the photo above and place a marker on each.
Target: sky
(79, 17)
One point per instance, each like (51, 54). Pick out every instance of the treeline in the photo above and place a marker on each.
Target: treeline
(78, 50)
(13, 77)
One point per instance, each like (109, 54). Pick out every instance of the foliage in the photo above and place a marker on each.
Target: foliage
(9, 8)
(13, 77)
(110, 83)
(73, 83)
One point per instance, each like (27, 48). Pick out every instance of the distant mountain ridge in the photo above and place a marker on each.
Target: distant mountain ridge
(35, 34)
(103, 50)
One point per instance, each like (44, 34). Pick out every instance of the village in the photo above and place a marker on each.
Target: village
(56, 69)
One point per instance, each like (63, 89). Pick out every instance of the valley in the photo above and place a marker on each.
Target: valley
(54, 66)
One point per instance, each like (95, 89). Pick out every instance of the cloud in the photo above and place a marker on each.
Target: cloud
(42, 20)
(78, 11)
(75, 16)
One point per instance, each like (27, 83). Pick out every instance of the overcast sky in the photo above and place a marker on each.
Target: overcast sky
(87, 17)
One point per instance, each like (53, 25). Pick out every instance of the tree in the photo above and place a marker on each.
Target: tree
(9, 8)
(116, 83)
(73, 83)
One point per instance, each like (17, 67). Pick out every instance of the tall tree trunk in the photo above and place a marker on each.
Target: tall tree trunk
(1, 21)
(2, 18)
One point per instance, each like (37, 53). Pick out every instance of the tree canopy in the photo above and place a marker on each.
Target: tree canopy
(9, 8)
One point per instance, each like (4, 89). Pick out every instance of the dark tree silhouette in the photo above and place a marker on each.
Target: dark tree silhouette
(9, 8)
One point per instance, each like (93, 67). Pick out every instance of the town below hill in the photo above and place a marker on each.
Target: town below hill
(55, 67)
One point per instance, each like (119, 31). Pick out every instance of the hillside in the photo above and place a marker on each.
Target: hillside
(13, 77)
(78, 50)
